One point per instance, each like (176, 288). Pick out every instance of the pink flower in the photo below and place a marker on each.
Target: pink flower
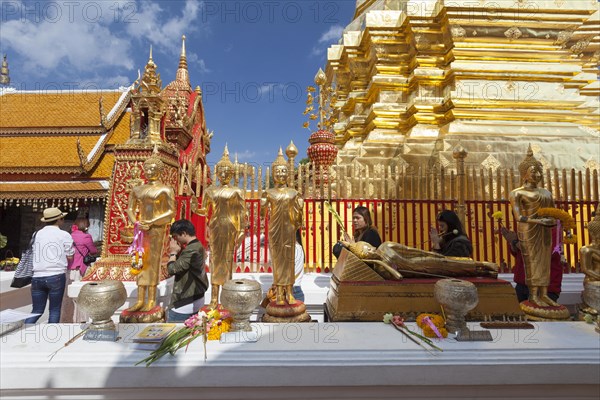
(398, 320)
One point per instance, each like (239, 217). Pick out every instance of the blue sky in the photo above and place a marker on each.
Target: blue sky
(253, 59)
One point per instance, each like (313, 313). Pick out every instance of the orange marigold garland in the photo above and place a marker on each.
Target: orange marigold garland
(428, 330)
(566, 220)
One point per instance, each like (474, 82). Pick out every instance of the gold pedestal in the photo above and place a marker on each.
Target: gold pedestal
(295, 312)
(357, 293)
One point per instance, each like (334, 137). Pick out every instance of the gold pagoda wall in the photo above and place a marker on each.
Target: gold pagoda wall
(416, 78)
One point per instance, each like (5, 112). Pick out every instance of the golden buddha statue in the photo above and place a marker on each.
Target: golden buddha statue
(154, 203)
(534, 233)
(226, 226)
(590, 255)
(395, 261)
(284, 206)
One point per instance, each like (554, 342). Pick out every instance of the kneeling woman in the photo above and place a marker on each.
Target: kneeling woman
(452, 240)
(364, 230)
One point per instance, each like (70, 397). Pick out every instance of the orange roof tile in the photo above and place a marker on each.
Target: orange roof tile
(104, 167)
(49, 190)
(121, 131)
(43, 151)
(54, 109)
(26, 145)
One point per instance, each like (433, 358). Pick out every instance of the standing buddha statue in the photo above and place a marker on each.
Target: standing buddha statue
(284, 206)
(535, 239)
(155, 206)
(226, 225)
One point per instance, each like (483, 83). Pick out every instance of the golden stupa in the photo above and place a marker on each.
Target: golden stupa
(416, 78)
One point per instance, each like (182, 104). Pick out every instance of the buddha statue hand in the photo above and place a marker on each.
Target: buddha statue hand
(545, 221)
(487, 269)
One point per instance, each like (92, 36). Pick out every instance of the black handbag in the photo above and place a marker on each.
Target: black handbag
(88, 258)
(24, 271)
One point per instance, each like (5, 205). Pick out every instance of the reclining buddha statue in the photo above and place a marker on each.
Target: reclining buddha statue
(395, 261)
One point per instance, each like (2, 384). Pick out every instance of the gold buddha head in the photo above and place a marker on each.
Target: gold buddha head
(280, 169)
(594, 226)
(153, 166)
(225, 168)
(530, 169)
(362, 250)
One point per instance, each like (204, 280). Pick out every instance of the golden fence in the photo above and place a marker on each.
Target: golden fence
(404, 204)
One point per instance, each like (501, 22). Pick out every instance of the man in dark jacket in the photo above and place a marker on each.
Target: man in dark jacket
(187, 266)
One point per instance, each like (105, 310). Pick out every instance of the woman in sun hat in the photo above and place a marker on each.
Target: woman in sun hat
(52, 251)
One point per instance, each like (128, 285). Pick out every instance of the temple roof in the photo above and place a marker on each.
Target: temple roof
(40, 131)
(55, 108)
(53, 190)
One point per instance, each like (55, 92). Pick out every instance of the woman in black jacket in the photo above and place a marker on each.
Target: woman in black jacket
(451, 240)
(364, 231)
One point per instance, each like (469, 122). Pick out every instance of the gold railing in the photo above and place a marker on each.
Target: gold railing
(404, 202)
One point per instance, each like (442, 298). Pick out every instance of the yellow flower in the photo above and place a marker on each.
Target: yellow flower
(570, 239)
(218, 328)
(213, 314)
(567, 221)
(498, 215)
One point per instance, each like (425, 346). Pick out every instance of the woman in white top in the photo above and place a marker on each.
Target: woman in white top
(52, 251)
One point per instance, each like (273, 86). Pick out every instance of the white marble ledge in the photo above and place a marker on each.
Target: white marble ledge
(315, 286)
(306, 354)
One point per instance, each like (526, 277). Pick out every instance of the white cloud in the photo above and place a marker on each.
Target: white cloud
(268, 88)
(246, 155)
(333, 34)
(46, 45)
(196, 63)
(70, 40)
(330, 36)
(164, 33)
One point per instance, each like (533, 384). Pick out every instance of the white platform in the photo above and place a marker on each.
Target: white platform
(308, 361)
(315, 287)
(16, 299)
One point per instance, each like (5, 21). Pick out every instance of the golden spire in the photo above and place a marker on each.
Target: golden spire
(151, 82)
(4, 77)
(325, 98)
(182, 71)
(320, 80)
(291, 151)
(182, 57)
